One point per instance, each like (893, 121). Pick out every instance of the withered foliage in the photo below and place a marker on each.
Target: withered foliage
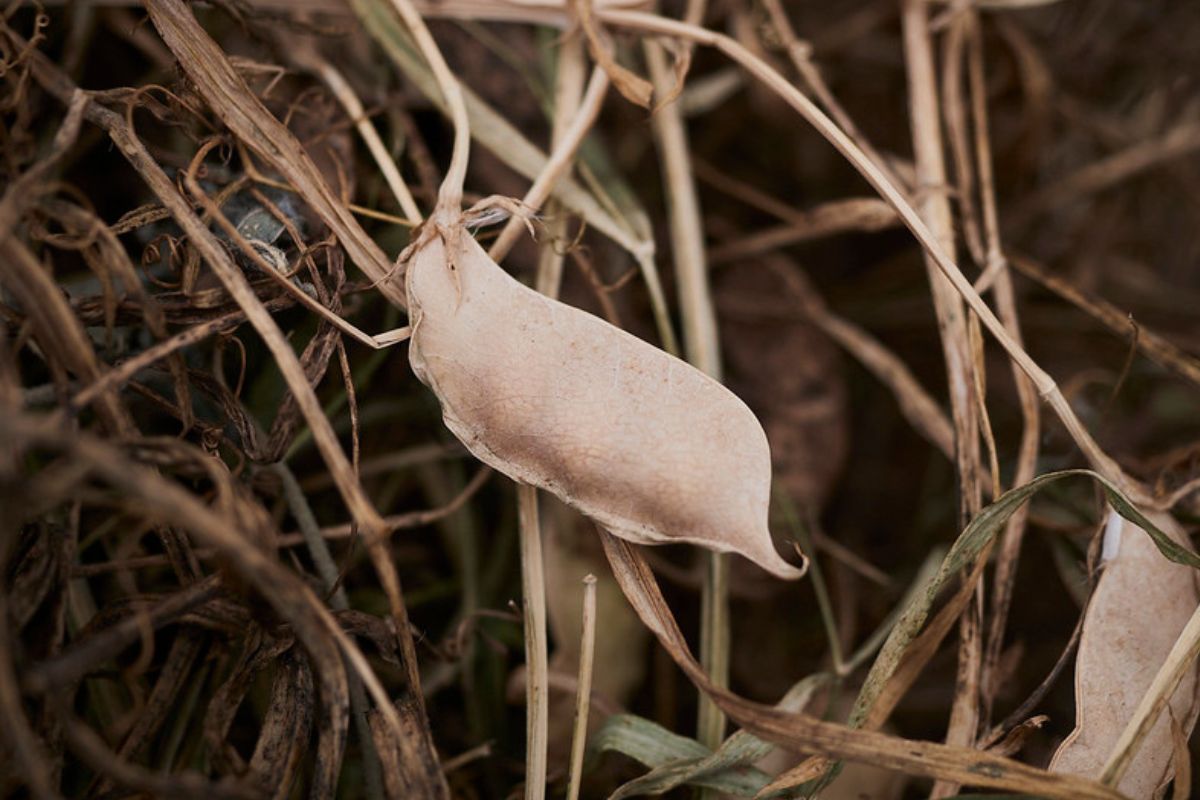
(241, 556)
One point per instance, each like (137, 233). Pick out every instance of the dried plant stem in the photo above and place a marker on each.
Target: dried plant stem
(1046, 386)
(1181, 658)
(829, 219)
(562, 156)
(953, 328)
(702, 349)
(583, 688)
(345, 94)
(570, 73)
(218, 258)
(800, 54)
(1027, 453)
(537, 686)
(449, 204)
(1178, 141)
(327, 569)
(934, 205)
(572, 119)
(409, 519)
(1153, 345)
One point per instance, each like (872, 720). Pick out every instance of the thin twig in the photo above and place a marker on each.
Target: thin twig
(344, 92)
(537, 689)
(997, 263)
(395, 522)
(559, 164)
(702, 349)
(1046, 386)
(449, 205)
(962, 370)
(583, 689)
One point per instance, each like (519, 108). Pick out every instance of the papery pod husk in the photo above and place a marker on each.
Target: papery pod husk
(1139, 606)
(643, 443)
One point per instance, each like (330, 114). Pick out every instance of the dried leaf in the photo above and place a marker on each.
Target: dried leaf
(632, 87)
(285, 730)
(409, 770)
(671, 756)
(1139, 606)
(731, 763)
(806, 733)
(641, 442)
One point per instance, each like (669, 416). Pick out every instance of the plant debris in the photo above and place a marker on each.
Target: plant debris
(907, 287)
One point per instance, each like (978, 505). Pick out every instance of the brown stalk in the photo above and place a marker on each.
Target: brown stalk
(702, 350)
(953, 327)
(829, 219)
(217, 258)
(164, 500)
(229, 96)
(997, 263)
(804, 733)
(1046, 386)
(558, 165)
(1180, 140)
(1155, 346)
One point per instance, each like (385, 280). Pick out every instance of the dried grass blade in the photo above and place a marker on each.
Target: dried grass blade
(216, 79)
(285, 731)
(583, 690)
(511, 146)
(1047, 388)
(800, 731)
(348, 485)
(632, 87)
(672, 760)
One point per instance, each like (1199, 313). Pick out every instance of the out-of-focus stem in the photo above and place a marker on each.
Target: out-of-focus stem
(703, 351)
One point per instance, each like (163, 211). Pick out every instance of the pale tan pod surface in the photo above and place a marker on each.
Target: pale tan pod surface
(1139, 606)
(643, 443)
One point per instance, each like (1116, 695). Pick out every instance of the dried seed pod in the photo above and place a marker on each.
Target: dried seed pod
(1136, 613)
(643, 443)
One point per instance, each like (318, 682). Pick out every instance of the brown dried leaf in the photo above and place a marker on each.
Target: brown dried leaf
(648, 446)
(408, 768)
(632, 87)
(285, 730)
(805, 733)
(1141, 603)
